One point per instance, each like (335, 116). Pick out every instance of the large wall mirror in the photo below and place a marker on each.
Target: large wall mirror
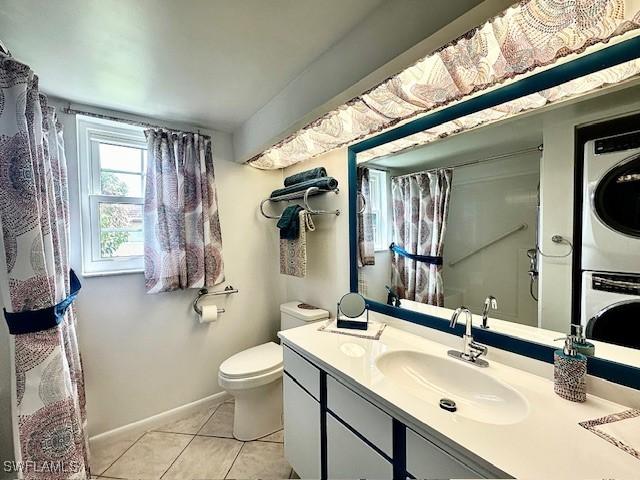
(533, 218)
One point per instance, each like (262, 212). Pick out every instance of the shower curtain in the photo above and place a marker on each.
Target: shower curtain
(420, 210)
(182, 237)
(36, 283)
(366, 253)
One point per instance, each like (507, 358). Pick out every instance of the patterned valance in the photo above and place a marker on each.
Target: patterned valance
(525, 37)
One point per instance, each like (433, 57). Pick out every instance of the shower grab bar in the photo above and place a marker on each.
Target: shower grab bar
(523, 226)
(311, 191)
(203, 291)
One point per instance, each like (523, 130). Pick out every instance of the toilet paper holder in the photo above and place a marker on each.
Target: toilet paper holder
(203, 291)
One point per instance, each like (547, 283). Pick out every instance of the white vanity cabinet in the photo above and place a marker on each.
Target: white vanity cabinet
(331, 431)
(348, 456)
(426, 460)
(302, 442)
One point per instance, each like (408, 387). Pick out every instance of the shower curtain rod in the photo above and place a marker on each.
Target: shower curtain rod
(539, 148)
(73, 111)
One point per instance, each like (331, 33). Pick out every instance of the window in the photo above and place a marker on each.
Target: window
(378, 186)
(112, 158)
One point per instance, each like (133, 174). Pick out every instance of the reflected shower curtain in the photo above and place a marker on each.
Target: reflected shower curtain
(420, 210)
(366, 252)
(48, 405)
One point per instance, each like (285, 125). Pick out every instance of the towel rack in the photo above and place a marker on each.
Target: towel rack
(309, 192)
(203, 291)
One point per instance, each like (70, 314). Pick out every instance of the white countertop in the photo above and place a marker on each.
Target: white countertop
(548, 443)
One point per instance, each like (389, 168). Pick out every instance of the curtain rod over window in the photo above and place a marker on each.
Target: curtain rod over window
(73, 111)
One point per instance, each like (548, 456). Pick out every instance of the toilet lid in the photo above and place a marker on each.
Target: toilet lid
(253, 361)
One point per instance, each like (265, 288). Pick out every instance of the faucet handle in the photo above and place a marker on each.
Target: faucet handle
(478, 349)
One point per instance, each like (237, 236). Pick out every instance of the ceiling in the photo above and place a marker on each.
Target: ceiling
(211, 63)
(479, 144)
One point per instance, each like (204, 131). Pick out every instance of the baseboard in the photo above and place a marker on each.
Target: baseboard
(149, 423)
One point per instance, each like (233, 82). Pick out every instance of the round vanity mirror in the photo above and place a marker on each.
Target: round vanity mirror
(352, 305)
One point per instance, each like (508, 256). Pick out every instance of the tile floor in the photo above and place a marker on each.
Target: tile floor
(200, 446)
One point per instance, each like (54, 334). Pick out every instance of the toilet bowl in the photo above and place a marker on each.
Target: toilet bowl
(254, 378)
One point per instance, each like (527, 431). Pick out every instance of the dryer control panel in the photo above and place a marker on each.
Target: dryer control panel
(618, 143)
(616, 283)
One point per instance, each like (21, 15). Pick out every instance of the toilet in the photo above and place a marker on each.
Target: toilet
(254, 377)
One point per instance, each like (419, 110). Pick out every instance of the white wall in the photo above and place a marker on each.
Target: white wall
(328, 247)
(144, 354)
(487, 200)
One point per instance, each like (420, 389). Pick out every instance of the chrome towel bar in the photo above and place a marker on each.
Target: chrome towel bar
(203, 291)
(304, 195)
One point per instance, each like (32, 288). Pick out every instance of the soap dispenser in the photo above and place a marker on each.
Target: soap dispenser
(581, 343)
(570, 371)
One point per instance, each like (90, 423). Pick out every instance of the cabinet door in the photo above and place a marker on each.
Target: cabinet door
(425, 460)
(301, 430)
(350, 457)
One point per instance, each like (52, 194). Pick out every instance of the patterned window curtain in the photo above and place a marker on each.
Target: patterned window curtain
(420, 211)
(182, 239)
(366, 251)
(48, 404)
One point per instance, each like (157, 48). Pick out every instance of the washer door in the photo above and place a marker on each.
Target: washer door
(617, 197)
(618, 324)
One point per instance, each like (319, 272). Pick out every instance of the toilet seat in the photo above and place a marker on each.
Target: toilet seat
(251, 368)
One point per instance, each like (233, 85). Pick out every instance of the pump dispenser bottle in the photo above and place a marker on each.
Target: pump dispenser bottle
(570, 371)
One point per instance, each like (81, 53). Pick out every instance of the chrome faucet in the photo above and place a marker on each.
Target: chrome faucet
(489, 302)
(471, 349)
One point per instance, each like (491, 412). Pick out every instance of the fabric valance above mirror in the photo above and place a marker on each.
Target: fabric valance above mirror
(524, 39)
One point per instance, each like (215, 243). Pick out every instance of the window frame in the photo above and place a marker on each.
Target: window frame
(92, 132)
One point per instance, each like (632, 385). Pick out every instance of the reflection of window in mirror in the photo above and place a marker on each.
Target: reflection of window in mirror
(378, 190)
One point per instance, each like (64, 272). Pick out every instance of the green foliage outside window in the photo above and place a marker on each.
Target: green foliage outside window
(112, 216)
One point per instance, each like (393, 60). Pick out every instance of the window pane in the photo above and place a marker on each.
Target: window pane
(120, 230)
(122, 184)
(116, 157)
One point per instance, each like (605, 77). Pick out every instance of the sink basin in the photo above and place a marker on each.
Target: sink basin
(478, 396)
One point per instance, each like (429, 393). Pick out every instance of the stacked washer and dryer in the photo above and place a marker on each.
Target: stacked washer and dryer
(610, 309)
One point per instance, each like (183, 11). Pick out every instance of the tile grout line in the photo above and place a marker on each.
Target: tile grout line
(119, 456)
(234, 460)
(192, 439)
(177, 456)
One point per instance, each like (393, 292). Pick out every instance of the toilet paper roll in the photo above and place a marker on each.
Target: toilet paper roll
(209, 313)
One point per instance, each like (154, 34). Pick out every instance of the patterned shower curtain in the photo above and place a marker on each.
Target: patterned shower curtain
(182, 238)
(366, 252)
(48, 405)
(420, 210)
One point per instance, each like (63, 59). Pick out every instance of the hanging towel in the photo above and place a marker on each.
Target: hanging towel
(293, 253)
(312, 174)
(324, 183)
(289, 222)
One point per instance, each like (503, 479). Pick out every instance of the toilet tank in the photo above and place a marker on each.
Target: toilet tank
(295, 314)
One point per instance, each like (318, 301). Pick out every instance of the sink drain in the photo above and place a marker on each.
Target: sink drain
(448, 405)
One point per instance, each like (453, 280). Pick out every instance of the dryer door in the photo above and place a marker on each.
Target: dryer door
(616, 199)
(618, 324)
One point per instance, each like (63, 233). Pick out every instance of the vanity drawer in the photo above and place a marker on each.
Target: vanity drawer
(302, 372)
(301, 430)
(425, 460)
(349, 457)
(365, 418)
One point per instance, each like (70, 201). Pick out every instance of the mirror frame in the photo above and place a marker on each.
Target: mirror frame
(606, 57)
